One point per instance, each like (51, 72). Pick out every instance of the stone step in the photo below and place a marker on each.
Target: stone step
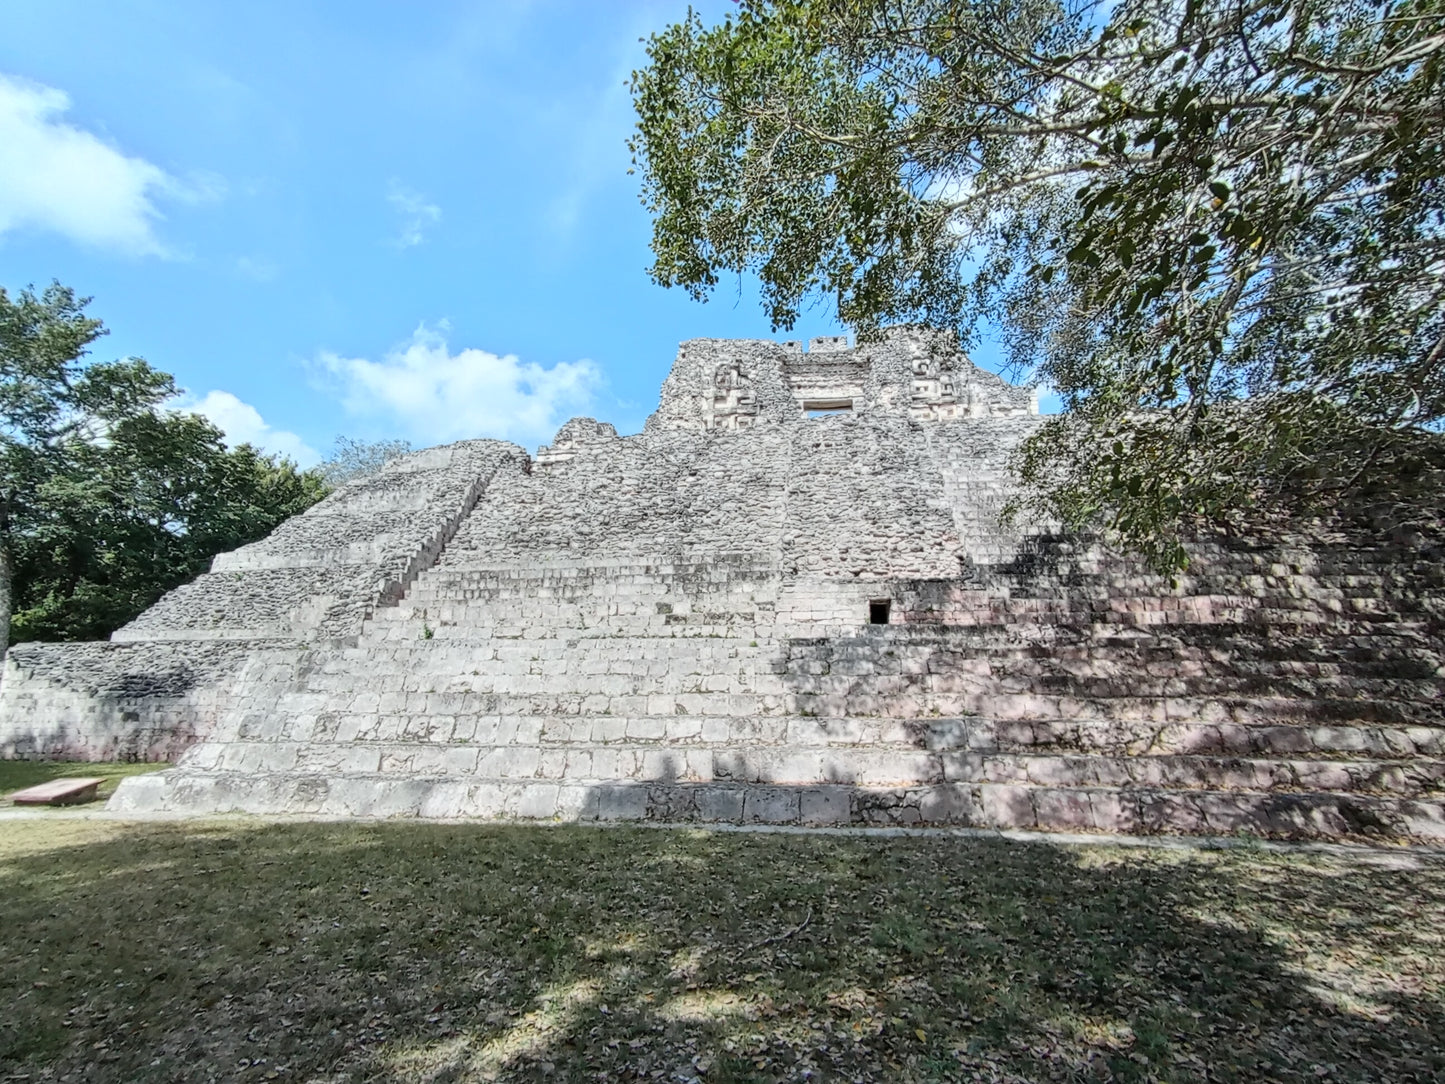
(659, 565)
(672, 627)
(1198, 643)
(1132, 810)
(592, 611)
(1361, 614)
(858, 674)
(543, 600)
(614, 649)
(1310, 656)
(580, 681)
(1220, 739)
(1200, 709)
(748, 695)
(313, 723)
(1157, 709)
(686, 627)
(805, 765)
(1102, 678)
(607, 696)
(433, 585)
(1099, 636)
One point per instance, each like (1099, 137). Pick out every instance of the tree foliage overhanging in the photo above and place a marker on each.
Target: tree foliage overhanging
(352, 460)
(1215, 229)
(107, 498)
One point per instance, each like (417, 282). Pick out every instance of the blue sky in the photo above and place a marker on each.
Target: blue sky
(370, 219)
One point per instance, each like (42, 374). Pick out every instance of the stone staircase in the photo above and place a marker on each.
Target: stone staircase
(1071, 694)
(715, 597)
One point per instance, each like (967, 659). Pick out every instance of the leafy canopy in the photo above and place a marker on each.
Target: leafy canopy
(107, 498)
(1215, 229)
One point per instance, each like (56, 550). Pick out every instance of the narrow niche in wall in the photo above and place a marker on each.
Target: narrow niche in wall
(821, 408)
(879, 610)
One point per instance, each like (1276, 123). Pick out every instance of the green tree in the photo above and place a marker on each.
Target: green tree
(1215, 229)
(107, 499)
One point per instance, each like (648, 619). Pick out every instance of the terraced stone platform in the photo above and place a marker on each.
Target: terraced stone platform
(680, 626)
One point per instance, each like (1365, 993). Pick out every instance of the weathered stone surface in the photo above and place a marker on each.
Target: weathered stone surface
(58, 791)
(675, 626)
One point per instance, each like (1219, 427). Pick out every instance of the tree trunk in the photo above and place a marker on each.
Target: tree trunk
(7, 574)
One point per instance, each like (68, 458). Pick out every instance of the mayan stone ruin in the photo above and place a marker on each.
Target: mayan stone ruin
(788, 600)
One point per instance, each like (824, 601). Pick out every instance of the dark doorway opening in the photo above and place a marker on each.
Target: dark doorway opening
(878, 610)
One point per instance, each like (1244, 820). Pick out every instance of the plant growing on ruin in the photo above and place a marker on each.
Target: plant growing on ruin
(107, 498)
(1215, 229)
(352, 460)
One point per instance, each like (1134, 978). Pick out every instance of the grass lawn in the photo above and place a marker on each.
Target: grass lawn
(19, 774)
(245, 950)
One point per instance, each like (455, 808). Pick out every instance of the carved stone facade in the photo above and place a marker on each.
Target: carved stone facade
(723, 384)
(788, 600)
(734, 405)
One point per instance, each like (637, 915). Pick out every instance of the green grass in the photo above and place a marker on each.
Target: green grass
(19, 774)
(246, 950)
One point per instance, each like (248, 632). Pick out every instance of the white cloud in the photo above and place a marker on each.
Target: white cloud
(242, 424)
(433, 395)
(54, 176)
(417, 213)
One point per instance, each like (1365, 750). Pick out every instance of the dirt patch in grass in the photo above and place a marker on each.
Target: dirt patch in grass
(19, 774)
(230, 950)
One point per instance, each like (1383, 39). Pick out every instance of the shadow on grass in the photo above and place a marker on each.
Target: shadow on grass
(396, 952)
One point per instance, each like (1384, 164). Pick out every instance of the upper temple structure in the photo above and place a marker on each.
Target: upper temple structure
(790, 599)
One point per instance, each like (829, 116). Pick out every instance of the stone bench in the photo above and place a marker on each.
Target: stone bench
(70, 791)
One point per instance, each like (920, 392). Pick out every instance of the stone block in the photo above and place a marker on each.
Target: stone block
(446, 799)
(537, 801)
(771, 805)
(824, 806)
(621, 802)
(719, 804)
(1062, 810)
(951, 803)
(1007, 806)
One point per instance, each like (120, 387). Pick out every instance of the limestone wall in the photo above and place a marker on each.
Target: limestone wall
(865, 499)
(320, 574)
(164, 679)
(115, 701)
(666, 493)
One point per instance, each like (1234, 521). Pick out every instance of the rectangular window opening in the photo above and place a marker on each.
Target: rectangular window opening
(821, 408)
(878, 611)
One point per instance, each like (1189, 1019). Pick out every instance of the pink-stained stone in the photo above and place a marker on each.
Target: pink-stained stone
(58, 792)
(1064, 810)
(1007, 806)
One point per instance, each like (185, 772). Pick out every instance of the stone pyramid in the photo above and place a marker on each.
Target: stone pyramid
(788, 600)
